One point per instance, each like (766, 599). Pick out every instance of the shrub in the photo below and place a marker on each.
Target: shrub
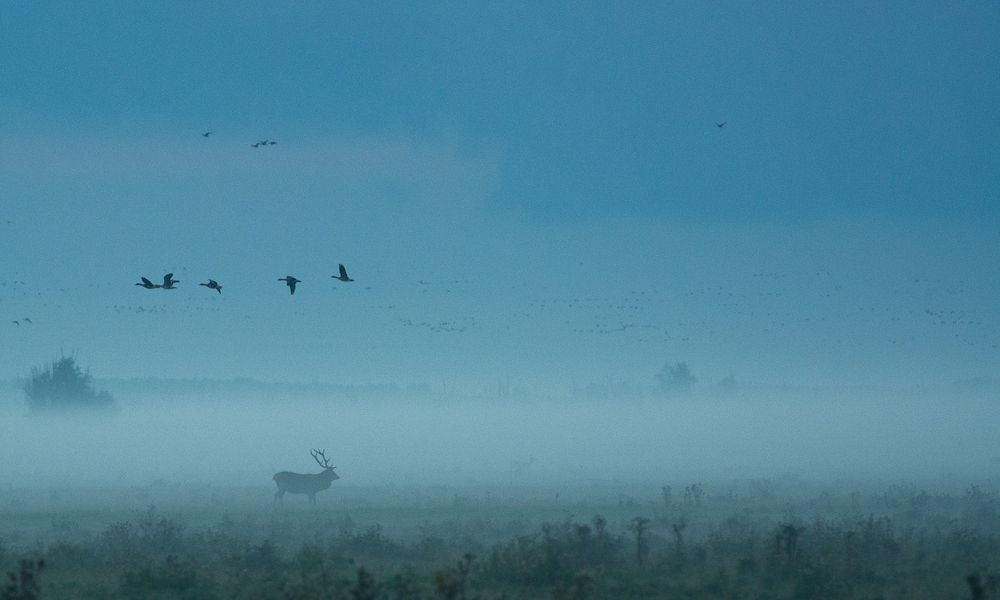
(676, 379)
(172, 577)
(63, 385)
(561, 552)
(371, 543)
(23, 584)
(727, 386)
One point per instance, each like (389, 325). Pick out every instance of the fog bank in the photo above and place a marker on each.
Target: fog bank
(417, 440)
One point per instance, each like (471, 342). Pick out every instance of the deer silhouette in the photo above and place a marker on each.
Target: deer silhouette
(309, 483)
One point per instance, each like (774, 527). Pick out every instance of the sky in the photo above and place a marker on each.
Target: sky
(533, 192)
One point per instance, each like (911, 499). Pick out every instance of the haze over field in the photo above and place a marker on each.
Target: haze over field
(577, 444)
(540, 207)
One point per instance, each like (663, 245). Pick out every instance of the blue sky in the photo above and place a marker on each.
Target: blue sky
(522, 154)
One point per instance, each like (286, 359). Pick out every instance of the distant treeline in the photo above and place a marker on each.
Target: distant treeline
(727, 387)
(248, 387)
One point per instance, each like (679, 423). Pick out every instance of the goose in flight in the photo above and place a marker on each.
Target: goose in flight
(720, 125)
(149, 285)
(343, 274)
(206, 134)
(212, 285)
(169, 281)
(290, 282)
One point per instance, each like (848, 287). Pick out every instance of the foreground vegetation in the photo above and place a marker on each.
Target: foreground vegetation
(750, 540)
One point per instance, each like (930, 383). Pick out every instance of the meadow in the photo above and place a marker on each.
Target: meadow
(757, 538)
(171, 496)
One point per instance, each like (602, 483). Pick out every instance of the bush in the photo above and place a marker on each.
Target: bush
(676, 379)
(23, 584)
(727, 386)
(62, 385)
(171, 578)
(562, 551)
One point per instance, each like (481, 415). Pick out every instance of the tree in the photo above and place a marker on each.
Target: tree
(676, 378)
(62, 385)
(727, 386)
(640, 527)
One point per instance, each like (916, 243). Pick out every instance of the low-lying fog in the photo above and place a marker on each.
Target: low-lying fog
(491, 441)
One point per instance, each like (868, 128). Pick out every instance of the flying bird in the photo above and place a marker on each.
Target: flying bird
(27, 320)
(290, 282)
(169, 281)
(257, 145)
(16, 323)
(212, 285)
(343, 274)
(720, 125)
(206, 134)
(149, 285)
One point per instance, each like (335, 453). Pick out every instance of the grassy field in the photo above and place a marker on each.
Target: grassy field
(741, 539)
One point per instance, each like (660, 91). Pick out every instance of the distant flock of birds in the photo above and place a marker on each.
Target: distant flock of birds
(269, 142)
(260, 144)
(169, 282)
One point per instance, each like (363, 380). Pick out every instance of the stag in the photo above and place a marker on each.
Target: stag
(309, 483)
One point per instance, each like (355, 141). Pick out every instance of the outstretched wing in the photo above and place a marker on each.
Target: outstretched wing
(291, 286)
(146, 282)
(343, 272)
(167, 278)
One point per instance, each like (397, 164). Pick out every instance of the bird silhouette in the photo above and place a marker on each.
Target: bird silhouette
(169, 281)
(149, 285)
(720, 125)
(343, 274)
(16, 323)
(27, 320)
(257, 145)
(212, 285)
(206, 134)
(290, 282)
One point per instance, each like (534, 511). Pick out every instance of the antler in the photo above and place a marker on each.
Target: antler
(325, 463)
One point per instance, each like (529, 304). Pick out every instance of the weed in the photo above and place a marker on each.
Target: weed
(24, 584)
